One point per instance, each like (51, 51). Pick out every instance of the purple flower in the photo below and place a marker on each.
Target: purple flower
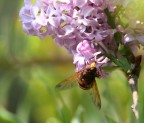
(85, 49)
(86, 54)
(34, 21)
(79, 61)
(75, 24)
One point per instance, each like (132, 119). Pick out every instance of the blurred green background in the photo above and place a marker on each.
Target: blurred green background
(29, 70)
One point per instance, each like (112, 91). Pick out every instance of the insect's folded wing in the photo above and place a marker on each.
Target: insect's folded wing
(95, 95)
(68, 83)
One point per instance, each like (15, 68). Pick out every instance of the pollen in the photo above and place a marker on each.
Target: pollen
(93, 64)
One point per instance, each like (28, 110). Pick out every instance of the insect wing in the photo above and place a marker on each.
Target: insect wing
(95, 95)
(68, 83)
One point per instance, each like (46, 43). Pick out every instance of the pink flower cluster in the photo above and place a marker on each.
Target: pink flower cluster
(78, 25)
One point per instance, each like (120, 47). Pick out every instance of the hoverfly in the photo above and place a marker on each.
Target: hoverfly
(86, 81)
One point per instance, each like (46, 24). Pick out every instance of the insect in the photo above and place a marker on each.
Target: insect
(86, 81)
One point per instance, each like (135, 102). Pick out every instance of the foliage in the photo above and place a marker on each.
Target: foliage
(30, 69)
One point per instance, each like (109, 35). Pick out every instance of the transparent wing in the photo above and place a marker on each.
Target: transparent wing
(68, 83)
(95, 95)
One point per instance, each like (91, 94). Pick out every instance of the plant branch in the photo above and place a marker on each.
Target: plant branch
(132, 80)
(133, 76)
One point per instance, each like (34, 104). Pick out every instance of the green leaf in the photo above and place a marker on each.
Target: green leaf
(109, 119)
(78, 115)
(115, 60)
(120, 14)
(126, 57)
(117, 10)
(7, 117)
(117, 37)
(123, 21)
(111, 20)
(110, 68)
(123, 63)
